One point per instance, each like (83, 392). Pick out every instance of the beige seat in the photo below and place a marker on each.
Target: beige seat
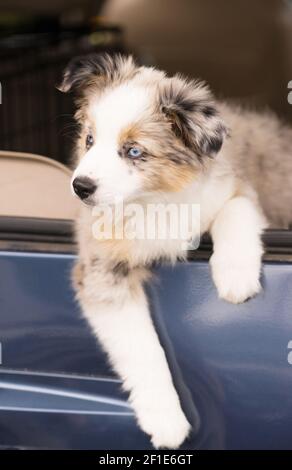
(35, 186)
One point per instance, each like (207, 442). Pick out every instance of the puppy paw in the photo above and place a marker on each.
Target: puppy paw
(235, 282)
(160, 415)
(167, 428)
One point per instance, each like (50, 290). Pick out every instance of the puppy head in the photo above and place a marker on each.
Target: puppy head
(141, 132)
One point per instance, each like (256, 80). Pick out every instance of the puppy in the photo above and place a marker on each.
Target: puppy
(148, 138)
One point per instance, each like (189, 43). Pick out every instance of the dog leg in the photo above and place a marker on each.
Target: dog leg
(236, 261)
(121, 320)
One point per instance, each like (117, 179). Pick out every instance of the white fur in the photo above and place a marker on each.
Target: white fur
(236, 261)
(127, 333)
(121, 320)
(109, 115)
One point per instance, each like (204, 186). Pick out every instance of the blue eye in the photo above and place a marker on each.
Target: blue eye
(134, 152)
(89, 141)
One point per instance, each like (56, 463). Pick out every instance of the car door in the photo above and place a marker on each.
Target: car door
(230, 363)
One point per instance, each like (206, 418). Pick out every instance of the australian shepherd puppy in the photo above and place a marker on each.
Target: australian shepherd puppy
(149, 138)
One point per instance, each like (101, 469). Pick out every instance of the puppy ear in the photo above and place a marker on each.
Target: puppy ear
(95, 69)
(189, 106)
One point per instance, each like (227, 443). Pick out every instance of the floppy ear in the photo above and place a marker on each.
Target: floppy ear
(189, 106)
(95, 69)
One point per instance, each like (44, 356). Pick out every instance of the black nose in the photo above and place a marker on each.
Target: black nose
(84, 187)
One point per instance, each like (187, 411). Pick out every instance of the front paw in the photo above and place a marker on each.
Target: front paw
(235, 281)
(166, 426)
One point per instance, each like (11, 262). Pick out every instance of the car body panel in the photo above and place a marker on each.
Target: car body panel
(229, 363)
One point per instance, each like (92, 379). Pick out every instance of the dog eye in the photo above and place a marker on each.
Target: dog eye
(89, 141)
(134, 152)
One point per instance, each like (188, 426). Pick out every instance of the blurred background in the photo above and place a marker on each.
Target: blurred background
(243, 48)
